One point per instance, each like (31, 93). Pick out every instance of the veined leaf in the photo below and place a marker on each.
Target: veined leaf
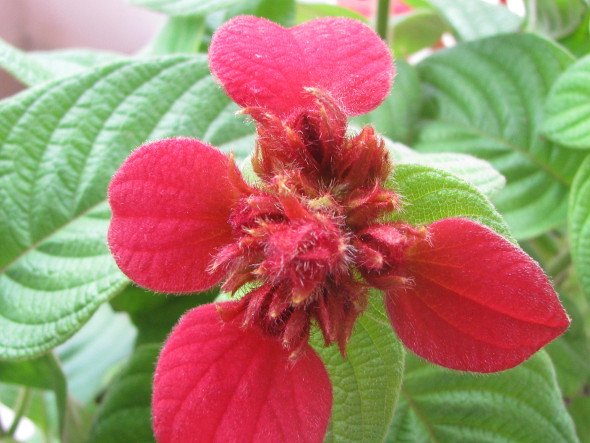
(18, 64)
(474, 171)
(59, 145)
(484, 104)
(125, 414)
(474, 19)
(554, 18)
(367, 382)
(522, 404)
(430, 194)
(579, 224)
(567, 108)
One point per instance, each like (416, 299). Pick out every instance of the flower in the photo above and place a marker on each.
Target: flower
(306, 243)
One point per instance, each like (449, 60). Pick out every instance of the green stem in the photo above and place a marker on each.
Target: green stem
(383, 18)
(21, 406)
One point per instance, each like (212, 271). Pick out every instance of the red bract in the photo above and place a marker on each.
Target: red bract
(308, 241)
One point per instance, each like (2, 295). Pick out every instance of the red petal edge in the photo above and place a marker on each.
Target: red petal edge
(170, 201)
(477, 303)
(216, 382)
(260, 63)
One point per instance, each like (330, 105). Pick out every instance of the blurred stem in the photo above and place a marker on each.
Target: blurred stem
(20, 407)
(383, 18)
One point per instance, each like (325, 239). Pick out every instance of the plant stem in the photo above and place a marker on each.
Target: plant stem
(21, 406)
(383, 18)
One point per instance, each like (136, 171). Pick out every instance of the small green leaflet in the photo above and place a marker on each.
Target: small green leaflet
(474, 19)
(430, 194)
(366, 383)
(567, 109)
(125, 415)
(520, 405)
(579, 224)
(482, 103)
(59, 145)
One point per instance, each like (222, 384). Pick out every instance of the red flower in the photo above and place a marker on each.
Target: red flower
(309, 242)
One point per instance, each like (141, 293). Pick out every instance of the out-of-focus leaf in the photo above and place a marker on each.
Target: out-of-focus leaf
(37, 67)
(125, 415)
(397, 117)
(88, 357)
(367, 382)
(179, 35)
(153, 314)
(59, 146)
(579, 224)
(41, 373)
(186, 7)
(475, 19)
(483, 103)
(554, 18)
(577, 41)
(567, 109)
(309, 11)
(579, 409)
(520, 405)
(418, 29)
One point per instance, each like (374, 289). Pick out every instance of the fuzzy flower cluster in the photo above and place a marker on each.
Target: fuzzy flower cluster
(307, 242)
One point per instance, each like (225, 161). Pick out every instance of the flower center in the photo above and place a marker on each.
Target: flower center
(308, 237)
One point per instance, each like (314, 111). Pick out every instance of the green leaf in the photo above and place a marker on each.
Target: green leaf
(483, 103)
(125, 415)
(309, 11)
(415, 30)
(180, 35)
(186, 7)
(154, 314)
(554, 18)
(59, 146)
(567, 107)
(475, 19)
(570, 353)
(474, 171)
(367, 382)
(520, 405)
(32, 68)
(397, 117)
(579, 409)
(41, 373)
(577, 41)
(108, 335)
(430, 194)
(579, 224)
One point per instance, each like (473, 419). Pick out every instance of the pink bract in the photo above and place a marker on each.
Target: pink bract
(308, 241)
(262, 64)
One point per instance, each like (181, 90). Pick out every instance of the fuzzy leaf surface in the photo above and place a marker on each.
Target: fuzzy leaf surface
(430, 194)
(366, 383)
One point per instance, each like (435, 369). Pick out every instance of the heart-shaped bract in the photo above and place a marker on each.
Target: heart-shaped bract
(260, 63)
